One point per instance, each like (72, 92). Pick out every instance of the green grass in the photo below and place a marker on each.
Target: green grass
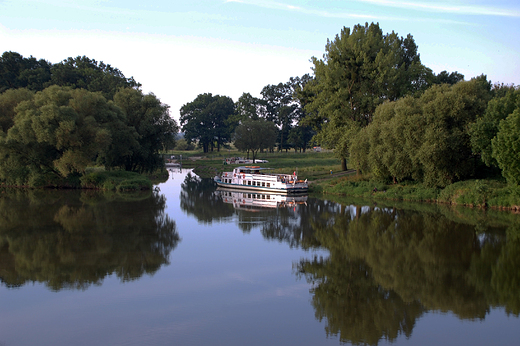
(309, 165)
(115, 181)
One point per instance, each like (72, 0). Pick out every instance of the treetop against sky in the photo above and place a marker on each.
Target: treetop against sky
(179, 49)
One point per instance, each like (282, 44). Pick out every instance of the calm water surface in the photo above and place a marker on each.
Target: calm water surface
(189, 265)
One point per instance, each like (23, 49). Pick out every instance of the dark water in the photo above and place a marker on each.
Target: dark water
(188, 265)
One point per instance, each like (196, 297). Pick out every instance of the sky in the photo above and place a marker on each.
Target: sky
(180, 49)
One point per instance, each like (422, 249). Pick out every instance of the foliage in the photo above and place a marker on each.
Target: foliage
(80, 72)
(425, 138)
(506, 147)
(59, 131)
(115, 180)
(153, 125)
(85, 73)
(19, 72)
(205, 120)
(360, 70)
(486, 127)
(8, 102)
(255, 135)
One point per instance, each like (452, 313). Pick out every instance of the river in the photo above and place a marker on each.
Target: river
(188, 265)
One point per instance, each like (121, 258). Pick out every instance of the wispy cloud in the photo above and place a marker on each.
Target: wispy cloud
(409, 5)
(322, 13)
(447, 8)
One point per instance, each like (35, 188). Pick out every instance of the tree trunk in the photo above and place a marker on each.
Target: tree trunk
(343, 164)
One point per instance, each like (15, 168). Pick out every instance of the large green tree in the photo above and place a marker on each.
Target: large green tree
(360, 69)
(206, 120)
(56, 134)
(426, 138)
(155, 128)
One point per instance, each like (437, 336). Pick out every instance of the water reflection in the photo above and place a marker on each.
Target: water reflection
(72, 239)
(387, 267)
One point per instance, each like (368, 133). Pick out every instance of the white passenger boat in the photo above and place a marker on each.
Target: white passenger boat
(258, 201)
(255, 178)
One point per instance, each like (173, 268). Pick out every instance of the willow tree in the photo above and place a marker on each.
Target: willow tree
(360, 69)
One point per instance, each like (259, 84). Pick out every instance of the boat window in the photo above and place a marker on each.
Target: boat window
(268, 197)
(268, 184)
(263, 196)
(263, 184)
(249, 183)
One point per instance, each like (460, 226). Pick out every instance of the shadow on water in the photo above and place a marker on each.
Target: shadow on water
(387, 264)
(74, 239)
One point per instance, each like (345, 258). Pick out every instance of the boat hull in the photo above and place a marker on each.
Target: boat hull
(296, 189)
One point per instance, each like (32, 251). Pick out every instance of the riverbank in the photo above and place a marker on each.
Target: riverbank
(322, 170)
(471, 193)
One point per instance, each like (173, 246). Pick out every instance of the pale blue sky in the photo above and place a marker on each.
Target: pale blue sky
(179, 49)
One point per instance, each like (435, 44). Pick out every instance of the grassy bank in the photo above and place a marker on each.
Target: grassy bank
(472, 193)
(115, 181)
(308, 165)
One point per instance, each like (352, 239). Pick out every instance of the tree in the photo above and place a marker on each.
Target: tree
(8, 102)
(448, 78)
(56, 134)
(86, 73)
(486, 127)
(506, 147)
(154, 127)
(205, 120)
(361, 69)
(255, 135)
(19, 72)
(424, 138)
(280, 109)
(248, 107)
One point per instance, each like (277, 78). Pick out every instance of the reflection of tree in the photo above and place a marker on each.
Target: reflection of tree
(355, 306)
(387, 266)
(57, 239)
(198, 198)
(294, 225)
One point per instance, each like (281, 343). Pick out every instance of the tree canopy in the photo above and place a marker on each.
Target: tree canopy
(425, 138)
(255, 135)
(58, 132)
(360, 69)
(206, 120)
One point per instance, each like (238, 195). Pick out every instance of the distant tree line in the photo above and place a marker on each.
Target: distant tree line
(58, 119)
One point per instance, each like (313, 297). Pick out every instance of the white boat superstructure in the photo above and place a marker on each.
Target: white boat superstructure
(256, 178)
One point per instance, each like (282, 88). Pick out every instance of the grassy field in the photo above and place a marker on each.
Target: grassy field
(309, 165)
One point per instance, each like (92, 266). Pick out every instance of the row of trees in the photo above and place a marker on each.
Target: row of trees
(361, 69)
(92, 115)
(374, 103)
(214, 120)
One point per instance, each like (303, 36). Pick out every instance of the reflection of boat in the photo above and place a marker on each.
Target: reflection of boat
(255, 200)
(255, 178)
